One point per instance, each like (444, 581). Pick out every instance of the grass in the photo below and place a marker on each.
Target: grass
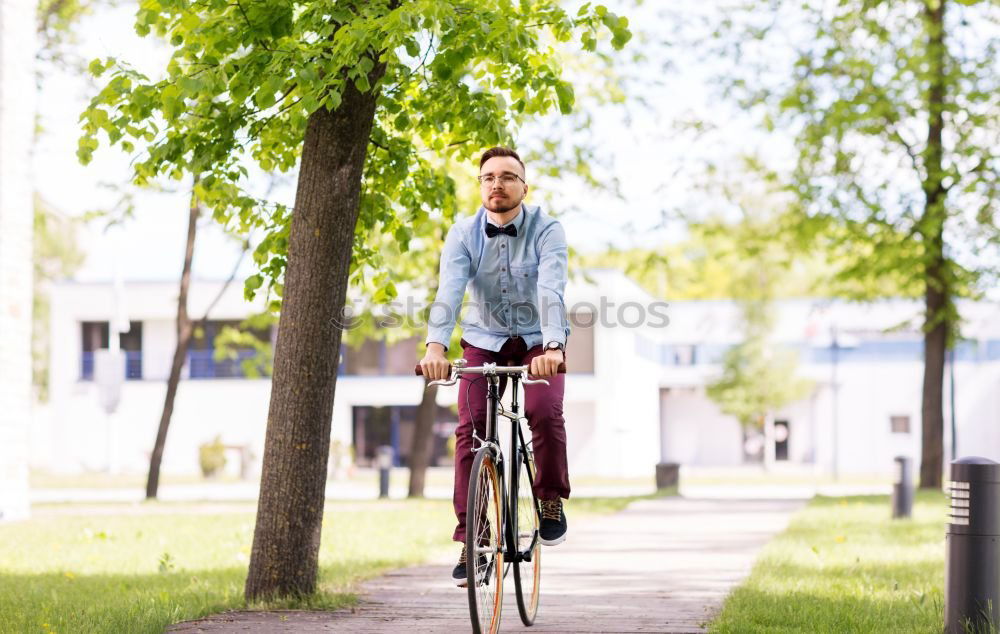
(435, 477)
(38, 479)
(139, 572)
(140, 567)
(844, 566)
(780, 475)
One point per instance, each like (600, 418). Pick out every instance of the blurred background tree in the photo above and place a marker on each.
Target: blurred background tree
(758, 375)
(56, 256)
(893, 109)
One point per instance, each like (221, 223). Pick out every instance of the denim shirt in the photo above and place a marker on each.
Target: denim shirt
(515, 283)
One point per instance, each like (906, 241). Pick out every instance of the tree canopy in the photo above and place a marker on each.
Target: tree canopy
(244, 78)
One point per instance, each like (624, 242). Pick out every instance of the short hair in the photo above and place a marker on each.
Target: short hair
(501, 151)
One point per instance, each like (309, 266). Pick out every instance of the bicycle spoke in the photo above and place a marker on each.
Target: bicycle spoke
(485, 558)
(527, 574)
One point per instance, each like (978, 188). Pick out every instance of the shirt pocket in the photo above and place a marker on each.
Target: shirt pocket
(525, 280)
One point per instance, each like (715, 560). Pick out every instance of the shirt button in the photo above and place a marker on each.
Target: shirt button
(503, 246)
(503, 270)
(504, 290)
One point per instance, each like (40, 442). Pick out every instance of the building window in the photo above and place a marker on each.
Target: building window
(367, 359)
(899, 424)
(202, 361)
(402, 356)
(375, 357)
(580, 346)
(96, 336)
(684, 355)
(394, 425)
(781, 433)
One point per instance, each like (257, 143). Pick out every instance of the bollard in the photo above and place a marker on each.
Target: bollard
(667, 475)
(972, 557)
(902, 489)
(383, 457)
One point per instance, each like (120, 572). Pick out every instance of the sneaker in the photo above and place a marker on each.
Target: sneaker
(553, 528)
(460, 574)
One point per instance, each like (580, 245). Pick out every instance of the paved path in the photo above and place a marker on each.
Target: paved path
(659, 566)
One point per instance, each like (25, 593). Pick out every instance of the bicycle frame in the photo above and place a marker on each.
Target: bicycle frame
(509, 477)
(494, 409)
(504, 478)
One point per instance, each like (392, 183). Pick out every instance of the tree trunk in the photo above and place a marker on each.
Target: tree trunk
(423, 435)
(937, 298)
(180, 352)
(284, 559)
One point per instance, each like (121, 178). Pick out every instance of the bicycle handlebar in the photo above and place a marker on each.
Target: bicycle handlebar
(500, 369)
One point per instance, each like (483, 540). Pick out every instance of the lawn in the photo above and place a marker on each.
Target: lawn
(128, 571)
(844, 566)
(138, 568)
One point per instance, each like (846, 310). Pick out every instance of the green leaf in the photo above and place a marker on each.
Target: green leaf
(564, 92)
(309, 103)
(96, 68)
(332, 100)
(251, 285)
(266, 96)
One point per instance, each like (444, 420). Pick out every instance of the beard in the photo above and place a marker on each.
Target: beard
(501, 205)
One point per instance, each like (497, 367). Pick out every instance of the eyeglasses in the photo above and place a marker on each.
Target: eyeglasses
(505, 179)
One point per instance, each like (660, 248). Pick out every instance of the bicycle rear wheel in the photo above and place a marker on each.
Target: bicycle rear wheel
(484, 544)
(527, 574)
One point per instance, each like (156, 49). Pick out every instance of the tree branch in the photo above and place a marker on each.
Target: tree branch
(225, 285)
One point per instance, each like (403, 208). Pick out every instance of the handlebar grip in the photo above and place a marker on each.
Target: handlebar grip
(419, 371)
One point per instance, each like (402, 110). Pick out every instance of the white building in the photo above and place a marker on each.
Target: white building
(864, 407)
(635, 395)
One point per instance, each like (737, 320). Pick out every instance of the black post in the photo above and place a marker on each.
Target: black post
(667, 476)
(902, 489)
(972, 557)
(384, 456)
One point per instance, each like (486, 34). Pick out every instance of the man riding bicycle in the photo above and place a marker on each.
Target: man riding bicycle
(513, 260)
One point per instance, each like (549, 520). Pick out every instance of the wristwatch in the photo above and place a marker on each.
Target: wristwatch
(555, 345)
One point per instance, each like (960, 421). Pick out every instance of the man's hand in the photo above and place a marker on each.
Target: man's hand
(546, 364)
(435, 365)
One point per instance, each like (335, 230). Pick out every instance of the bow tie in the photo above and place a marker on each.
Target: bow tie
(493, 231)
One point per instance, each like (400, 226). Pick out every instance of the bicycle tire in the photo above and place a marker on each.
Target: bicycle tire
(483, 529)
(527, 574)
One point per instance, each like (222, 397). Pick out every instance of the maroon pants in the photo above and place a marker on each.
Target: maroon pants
(543, 407)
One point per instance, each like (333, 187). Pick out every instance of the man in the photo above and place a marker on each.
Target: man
(512, 258)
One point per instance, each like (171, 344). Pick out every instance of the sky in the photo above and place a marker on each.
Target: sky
(639, 145)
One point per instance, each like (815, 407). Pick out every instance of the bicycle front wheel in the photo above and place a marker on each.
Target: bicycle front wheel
(484, 545)
(527, 574)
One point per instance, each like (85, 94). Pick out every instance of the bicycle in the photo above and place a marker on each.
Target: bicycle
(503, 513)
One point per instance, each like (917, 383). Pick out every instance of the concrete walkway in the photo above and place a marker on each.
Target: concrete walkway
(661, 565)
